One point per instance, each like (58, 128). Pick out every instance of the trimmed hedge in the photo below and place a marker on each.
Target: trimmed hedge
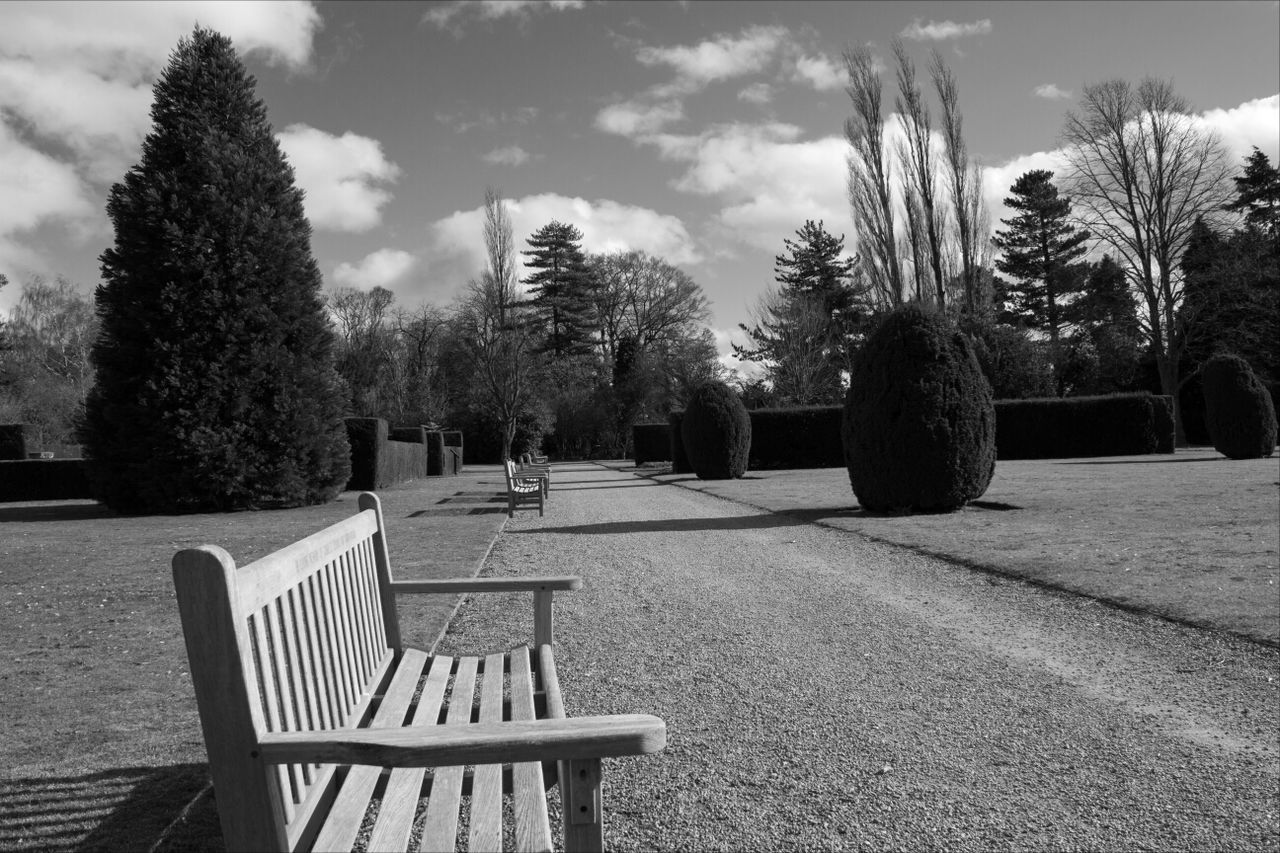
(412, 434)
(44, 480)
(679, 457)
(652, 442)
(797, 437)
(377, 461)
(1061, 428)
(13, 441)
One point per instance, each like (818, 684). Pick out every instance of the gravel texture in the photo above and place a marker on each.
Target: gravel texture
(822, 691)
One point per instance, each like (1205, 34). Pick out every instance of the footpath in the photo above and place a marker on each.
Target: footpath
(823, 691)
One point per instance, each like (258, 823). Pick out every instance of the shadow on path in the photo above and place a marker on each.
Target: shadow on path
(674, 525)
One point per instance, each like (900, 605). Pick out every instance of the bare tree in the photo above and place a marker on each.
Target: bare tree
(916, 152)
(1140, 171)
(497, 331)
(871, 179)
(964, 183)
(643, 297)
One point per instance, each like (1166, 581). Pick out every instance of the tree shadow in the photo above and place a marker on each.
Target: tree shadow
(78, 511)
(130, 808)
(673, 525)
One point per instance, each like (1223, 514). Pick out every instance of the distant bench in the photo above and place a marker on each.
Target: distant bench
(307, 699)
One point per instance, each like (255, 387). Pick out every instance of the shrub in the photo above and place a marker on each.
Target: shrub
(716, 432)
(1073, 427)
(652, 442)
(1239, 411)
(216, 388)
(919, 426)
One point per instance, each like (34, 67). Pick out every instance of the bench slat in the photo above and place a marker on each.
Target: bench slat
(280, 693)
(486, 782)
(345, 816)
(356, 651)
(317, 629)
(404, 785)
(441, 828)
(333, 639)
(533, 829)
(262, 666)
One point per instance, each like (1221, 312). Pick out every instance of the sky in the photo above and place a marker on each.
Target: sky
(702, 132)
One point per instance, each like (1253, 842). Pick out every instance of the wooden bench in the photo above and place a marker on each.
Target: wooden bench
(525, 488)
(311, 707)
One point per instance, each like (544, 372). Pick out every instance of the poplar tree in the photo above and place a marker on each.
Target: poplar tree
(215, 381)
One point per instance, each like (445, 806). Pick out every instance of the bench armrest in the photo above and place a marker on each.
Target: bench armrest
(478, 743)
(545, 584)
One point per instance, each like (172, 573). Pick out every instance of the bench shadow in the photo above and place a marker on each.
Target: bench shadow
(672, 525)
(129, 808)
(1165, 461)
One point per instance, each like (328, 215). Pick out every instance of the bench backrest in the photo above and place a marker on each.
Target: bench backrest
(299, 640)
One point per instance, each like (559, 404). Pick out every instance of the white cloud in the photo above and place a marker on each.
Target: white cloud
(342, 176)
(452, 16)
(821, 72)
(767, 178)
(720, 58)
(511, 155)
(1051, 92)
(75, 83)
(634, 117)
(1255, 122)
(456, 243)
(756, 93)
(943, 30)
(383, 268)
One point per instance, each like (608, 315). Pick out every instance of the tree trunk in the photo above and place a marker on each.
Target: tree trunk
(1167, 365)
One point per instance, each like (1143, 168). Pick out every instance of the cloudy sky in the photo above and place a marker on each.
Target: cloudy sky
(704, 132)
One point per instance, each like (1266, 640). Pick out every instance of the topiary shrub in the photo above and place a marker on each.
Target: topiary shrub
(919, 425)
(1238, 409)
(716, 432)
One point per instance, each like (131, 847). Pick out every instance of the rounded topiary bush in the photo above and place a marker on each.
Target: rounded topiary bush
(919, 424)
(716, 432)
(1238, 409)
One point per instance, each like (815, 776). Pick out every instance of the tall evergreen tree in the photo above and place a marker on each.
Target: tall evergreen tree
(563, 289)
(215, 381)
(1040, 248)
(1258, 194)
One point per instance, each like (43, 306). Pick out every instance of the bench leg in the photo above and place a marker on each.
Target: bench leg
(582, 795)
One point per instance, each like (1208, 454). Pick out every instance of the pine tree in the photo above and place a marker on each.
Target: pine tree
(1040, 248)
(563, 289)
(811, 327)
(1258, 194)
(215, 381)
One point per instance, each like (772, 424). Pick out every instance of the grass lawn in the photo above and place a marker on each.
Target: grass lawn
(1190, 536)
(101, 745)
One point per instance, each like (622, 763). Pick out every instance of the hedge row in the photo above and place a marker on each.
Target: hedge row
(381, 457)
(1050, 428)
(13, 441)
(44, 480)
(1060, 428)
(652, 442)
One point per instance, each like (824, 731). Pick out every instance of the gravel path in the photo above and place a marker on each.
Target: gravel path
(825, 692)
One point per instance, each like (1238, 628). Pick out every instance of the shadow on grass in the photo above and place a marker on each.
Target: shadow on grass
(1164, 461)
(56, 512)
(674, 525)
(132, 808)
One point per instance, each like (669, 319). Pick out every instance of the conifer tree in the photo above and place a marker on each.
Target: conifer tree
(563, 289)
(1040, 247)
(1258, 194)
(215, 381)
